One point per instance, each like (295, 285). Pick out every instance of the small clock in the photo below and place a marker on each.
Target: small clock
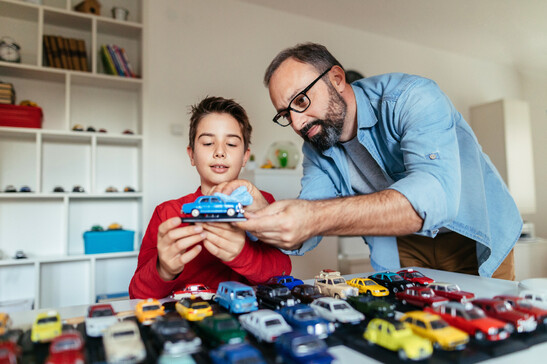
(9, 50)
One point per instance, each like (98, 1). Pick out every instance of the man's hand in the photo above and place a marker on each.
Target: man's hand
(223, 240)
(285, 224)
(173, 245)
(227, 188)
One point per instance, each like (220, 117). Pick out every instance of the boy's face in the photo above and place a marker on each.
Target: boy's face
(219, 150)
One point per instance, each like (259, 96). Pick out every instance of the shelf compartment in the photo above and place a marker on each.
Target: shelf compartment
(118, 166)
(65, 283)
(17, 282)
(128, 38)
(113, 275)
(134, 7)
(18, 158)
(25, 20)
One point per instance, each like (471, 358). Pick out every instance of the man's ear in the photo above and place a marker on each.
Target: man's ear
(246, 157)
(191, 155)
(337, 78)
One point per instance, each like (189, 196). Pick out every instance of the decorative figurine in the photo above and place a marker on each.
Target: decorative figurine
(9, 50)
(89, 7)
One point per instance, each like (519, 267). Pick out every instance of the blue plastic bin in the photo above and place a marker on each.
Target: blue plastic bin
(110, 241)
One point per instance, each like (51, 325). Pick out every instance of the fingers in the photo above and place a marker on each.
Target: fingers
(168, 225)
(187, 256)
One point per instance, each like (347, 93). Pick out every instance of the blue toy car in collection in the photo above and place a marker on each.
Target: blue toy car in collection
(304, 318)
(299, 347)
(236, 353)
(236, 297)
(288, 281)
(212, 206)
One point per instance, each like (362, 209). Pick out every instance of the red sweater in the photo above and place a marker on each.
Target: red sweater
(256, 263)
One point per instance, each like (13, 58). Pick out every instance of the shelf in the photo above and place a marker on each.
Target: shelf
(66, 258)
(66, 136)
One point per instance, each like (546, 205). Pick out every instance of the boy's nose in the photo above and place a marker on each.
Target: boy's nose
(220, 153)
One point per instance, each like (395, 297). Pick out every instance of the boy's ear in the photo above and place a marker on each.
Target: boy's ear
(246, 157)
(191, 155)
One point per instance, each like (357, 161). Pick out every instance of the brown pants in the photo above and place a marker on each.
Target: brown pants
(449, 251)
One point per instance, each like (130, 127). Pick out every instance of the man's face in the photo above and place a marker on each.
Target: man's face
(322, 123)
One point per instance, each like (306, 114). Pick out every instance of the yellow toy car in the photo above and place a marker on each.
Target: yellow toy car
(398, 336)
(147, 310)
(434, 328)
(47, 326)
(5, 323)
(193, 310)
(368, 287)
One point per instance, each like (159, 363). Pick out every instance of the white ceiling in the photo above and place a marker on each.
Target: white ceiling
(512, 32)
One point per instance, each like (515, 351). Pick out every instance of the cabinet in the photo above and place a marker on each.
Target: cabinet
(48, 226)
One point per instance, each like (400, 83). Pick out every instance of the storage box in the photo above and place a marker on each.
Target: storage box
(20, 116)
(110, 241)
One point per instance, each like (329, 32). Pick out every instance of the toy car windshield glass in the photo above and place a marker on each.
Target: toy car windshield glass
(369, 283)
(124, 333)
(438, 324)
(273, 322)
(303, 315)
(65, 345)
(151, 308)
(243, 294)
(227, 325)
(341, 306)
(396, 278)
(338, 281)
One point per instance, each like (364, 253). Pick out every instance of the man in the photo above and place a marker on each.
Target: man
(388, 158)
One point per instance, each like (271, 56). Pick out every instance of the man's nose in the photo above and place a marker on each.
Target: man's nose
(298, 120)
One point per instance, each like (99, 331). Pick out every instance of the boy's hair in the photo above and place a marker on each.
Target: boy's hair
(219, 105)
(314, 54)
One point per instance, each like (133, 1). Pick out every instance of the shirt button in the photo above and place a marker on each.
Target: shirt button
(435, 231)
(433, 156)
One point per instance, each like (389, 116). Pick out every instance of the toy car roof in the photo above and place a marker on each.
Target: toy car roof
(329, 273)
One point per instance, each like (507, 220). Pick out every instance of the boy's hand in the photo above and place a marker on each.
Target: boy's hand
(227, 188)
(173, 242)
(223, 240)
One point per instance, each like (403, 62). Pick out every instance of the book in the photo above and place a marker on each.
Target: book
(115, 60)
(108, 63)
(126, 62)
(122, 62)
(73, 51)
(54, 51)
(82, 54)
(68, 55)
(48, 53)
(62, 52)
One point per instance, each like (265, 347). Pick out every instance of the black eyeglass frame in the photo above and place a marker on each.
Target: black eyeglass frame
(303, 92)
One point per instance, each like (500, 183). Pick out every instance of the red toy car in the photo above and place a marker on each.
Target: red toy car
(451, 291)
(472, 320)
(68, 348)
(520, 304)
(501, 310)
(194, 290)
(415, 277)
(420, 296)
(10, 352)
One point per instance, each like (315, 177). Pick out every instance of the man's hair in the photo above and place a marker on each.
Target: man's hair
(220, 105)
(314, 54)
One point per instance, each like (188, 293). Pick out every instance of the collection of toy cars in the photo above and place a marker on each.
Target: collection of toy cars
(12, 189)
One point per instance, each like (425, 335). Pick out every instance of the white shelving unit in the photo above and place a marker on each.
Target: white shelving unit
(46, 225)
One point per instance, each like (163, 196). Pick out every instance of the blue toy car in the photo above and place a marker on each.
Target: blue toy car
(236, 297)
(299, 347)
(288, 281)
(212, 206)
(303, 317)
(236, 353)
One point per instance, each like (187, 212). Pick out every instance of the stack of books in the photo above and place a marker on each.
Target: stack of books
(115, 61)
(67, 53)
(7, 93)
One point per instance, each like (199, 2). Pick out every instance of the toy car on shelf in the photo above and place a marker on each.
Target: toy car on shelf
(372, 307)
(519, 321)
(78, 127)
(147, 310)
(420, 296)
(398, 336)
(331, 283)
(111, 189)
(433, 328)
(274, 296)
(451, 291)
(25, 189)
(236, 353)
(194, 290)
(288, 281)
(536, 298)
(99, 318)
(220, 329)
(123, 343)
(67, 348)
(47, 326)
(522, 305)
(78, 189)
(392, 281)
(306, 293)
(5, 323)
(336, 310)
(236, 297)
(265, 325)
(299, 347)
(174, 337)
(415, 277)
(58, 189)
(10, 189)
(114, 226)
(368, 286)
(303, 317)
(193, 310)
(471, 320)
(212, 207)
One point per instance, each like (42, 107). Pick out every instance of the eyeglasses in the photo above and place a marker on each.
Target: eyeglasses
(299, 104)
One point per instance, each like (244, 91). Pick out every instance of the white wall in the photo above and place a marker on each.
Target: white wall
(219, 47)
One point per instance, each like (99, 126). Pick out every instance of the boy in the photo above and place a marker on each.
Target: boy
(174, 254)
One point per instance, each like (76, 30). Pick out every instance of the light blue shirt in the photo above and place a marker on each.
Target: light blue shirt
(424, 145)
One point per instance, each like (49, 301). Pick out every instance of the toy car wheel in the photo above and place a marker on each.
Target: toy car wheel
(195, 212)
(479, 335)
(337, 296)
(404, 302)
(231, 212)
(402, 354)
(437, 346)
(368, 293)
(395, 290)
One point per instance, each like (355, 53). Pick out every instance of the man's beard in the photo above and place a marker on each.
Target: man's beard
(331, 125)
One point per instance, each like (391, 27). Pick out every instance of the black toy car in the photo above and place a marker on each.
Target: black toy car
(372, 307)
(392, 281)
(274, 296)
(58, 189)
(173, 336)
(78, 188)
(306, 293)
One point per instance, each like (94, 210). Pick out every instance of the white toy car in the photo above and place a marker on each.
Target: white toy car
(265, 325)
(99, 318)
(336, 310)
(535, 298)
(123, 344)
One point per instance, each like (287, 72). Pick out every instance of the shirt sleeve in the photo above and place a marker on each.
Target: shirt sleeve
(424, 122)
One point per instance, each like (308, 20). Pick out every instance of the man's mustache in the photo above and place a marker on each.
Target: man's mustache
(308, 126)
